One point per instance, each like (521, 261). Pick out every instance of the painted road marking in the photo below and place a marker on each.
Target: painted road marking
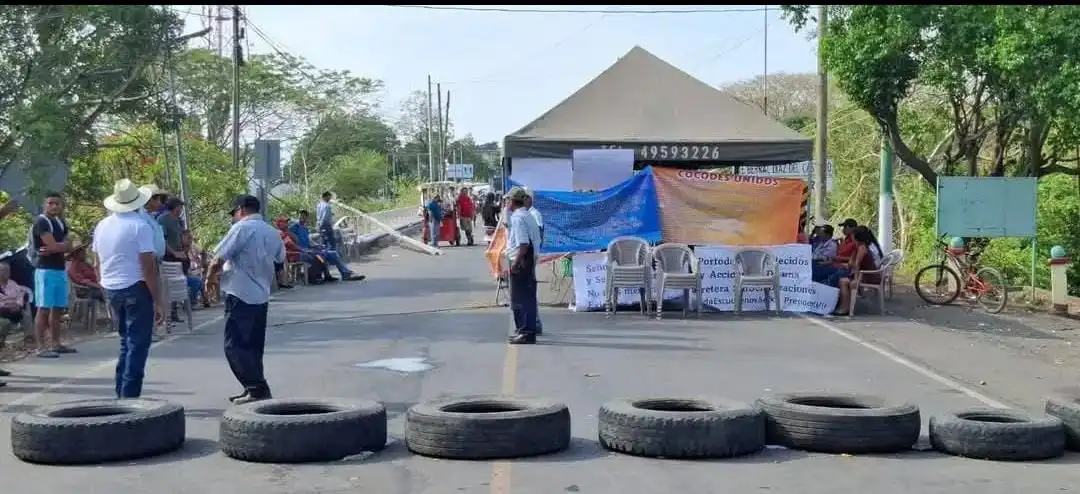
(500, 470)
(921, 369)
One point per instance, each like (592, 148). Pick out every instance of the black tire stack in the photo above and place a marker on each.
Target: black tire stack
(486, 427)
(97, 431)
(681, 428)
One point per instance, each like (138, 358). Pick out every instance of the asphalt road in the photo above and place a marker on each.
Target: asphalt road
(415, 306)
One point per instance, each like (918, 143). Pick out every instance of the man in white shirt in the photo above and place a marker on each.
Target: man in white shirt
(522, 243)
(248, 257)
(540, 224)
(124, 243)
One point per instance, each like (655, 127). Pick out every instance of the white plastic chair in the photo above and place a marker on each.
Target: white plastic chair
(628, 265)
(889, 281)
(176, 290)
(678, 269)
(757, 268)
(884, 274)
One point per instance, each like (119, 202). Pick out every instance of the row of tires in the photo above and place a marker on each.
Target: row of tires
(493, 427)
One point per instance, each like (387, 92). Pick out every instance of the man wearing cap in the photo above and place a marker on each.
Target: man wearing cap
(522, 242)
(124, 243)
(248, 258)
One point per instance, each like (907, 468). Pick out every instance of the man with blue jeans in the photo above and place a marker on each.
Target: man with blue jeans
(435, 217)
(303, 240)
(324, 221)
(124, 243)
(248, 257)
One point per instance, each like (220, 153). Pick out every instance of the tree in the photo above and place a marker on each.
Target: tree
(791, 97)
(63, 68)
(341, 134)
(356, 176)
(281, 95)
(985, 63)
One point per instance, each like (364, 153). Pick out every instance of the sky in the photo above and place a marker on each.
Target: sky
(504, 69)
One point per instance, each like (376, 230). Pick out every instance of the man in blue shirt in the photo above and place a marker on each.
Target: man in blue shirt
(522, 243)
(324, 220)
(303, 240)
(435, 217)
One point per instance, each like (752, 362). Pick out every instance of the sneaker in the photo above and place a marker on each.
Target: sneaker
(63, 350)
(354, 277)
(48, 354)
(4, 373)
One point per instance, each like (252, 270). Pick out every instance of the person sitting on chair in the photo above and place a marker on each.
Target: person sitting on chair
(13, 298)
(84, 276)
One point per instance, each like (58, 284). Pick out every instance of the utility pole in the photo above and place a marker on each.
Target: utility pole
(238, 60)
(418, 166)
(176, 122)
(441, 137)
(430, 143)
(446, 122)
(821, 156)
(765, 68)
(885, 197)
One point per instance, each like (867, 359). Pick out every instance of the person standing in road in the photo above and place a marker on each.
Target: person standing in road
(530, 195)
(324, 219)
(173, 229)
(248, 257)
(435, 217)
(48, 243)
(124, 243)
(522, 242)
(466, 209)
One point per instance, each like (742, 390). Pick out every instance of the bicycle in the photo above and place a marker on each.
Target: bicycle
(982, 285)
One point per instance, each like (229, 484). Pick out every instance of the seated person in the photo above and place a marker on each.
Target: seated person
(84, 276)
(13, 299)
(302, 236)
(317, 269)
(863, 260)
(823, 251)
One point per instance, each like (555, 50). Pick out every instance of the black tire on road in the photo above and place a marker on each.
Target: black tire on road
(1067, 409)
(681, 428)
(1000, 435)
(97, 431)
(840, 423)
(487, 427)
(301, 430)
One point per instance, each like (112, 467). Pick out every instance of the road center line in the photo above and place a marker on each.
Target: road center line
(500, 470)
(921, 369)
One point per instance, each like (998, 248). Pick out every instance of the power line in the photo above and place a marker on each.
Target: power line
(581, 11)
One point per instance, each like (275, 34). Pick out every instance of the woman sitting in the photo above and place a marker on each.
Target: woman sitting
(867, 258)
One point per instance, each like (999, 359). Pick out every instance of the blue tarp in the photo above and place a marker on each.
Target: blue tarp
(587, 221)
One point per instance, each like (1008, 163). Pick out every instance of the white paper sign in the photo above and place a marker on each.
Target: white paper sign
(798, 293)
(543, 173)
(599, 169)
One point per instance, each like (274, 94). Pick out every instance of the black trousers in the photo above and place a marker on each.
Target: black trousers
(245, 343)
(523, 302)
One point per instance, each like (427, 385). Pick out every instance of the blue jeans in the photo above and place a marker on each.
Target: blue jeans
(134, 314)
(523, 303)
(328, 237)
(245, 342)
(332, 257)
(435, 224)
(195, 287)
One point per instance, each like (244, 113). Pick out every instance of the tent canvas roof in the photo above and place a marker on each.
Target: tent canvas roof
(642, 101)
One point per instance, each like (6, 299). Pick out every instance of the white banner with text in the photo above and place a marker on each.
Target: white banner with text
(798, 292)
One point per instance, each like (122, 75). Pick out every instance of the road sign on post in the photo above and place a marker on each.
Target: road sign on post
(459, 171)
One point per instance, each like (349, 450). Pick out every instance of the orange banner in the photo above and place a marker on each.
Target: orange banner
(708, 208)
(495, 249)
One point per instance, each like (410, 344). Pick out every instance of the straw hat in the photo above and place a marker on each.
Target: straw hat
(126, 197)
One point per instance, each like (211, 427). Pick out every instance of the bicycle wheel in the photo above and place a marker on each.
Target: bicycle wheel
(992, 295)
(942, 284)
